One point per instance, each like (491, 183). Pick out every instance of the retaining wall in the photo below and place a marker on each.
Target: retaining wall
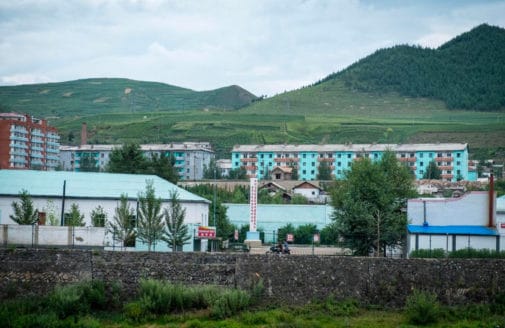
(287, 279)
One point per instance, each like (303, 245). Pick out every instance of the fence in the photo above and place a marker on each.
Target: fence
(52, 236)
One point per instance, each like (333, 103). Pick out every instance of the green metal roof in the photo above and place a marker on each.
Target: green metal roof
(87, 185)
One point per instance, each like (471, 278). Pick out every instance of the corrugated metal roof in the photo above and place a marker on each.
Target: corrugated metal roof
(87, 185)
(452, 230)
(203, 146)
(351, 147)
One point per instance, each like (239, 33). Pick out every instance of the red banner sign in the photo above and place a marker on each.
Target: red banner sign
(290, 238)
(206, 232)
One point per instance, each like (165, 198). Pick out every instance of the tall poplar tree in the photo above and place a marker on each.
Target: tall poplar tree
(176, 233)
(150, 217)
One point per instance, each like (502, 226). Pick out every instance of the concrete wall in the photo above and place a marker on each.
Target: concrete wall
(469, 209)
(287, 279)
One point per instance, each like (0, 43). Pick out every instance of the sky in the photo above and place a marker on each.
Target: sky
(265, 46)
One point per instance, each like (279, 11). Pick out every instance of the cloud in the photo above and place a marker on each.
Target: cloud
(264, 46)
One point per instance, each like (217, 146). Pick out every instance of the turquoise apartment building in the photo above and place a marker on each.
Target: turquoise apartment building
(260, 160)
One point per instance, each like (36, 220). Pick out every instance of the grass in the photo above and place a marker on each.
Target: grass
(325, 113)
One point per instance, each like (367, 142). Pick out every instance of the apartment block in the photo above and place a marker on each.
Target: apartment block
(27, 142)
(190, 157)
(261, 160)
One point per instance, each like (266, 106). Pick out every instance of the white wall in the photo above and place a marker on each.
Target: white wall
(309, 193)
(33, 235)
(470, 209)
(445, 242)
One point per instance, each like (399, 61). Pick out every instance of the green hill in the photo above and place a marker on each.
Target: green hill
(100, 95)
(467, 72)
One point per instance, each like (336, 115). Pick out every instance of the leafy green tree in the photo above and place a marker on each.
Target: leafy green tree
(122, 227)
(127, 159)
(299, 199)
(323, 171)
(51, 218)
(88, 163)
(368, 204)
(150, 217)
(176, 233)
(432, 172)
(329, 234)
(24, 212)
(212, 171)
(239, 173)
(162, 166)
(294, 174)
(98, 217)
(284, 230)
(305, 233)
(74, 218)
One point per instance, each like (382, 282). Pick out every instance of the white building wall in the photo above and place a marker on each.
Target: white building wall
(307, 193)
(196, 214)
(470, 209)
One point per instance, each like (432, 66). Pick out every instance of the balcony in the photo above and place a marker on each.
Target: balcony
(51, 143)
(53, 136)
(249, 160)
(37, 133)
(18, 160)
(52, 150)
(56, 158)
(18, 129)
(325, 159)
(444, 159)
(37, 148)
(250, 167)
(36, 156)
(446, 176)
(407, 159)
(22, 146)
(445, 168)
(286, 159)
(16, 138)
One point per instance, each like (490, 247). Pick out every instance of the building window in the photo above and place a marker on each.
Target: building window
(339, 155)
(304, 155)
(313, 163)
(458, 171)
(261, 156)
(348, 155)
(236, 163)
(421, 172)
(375, 155)
(421, 164)
(339, 171)
(303, 164)
(458, 155)
(312, 172)
(339, 163)
(269, 155)
(458, 163)
(421, 155)
(430, 155)
(236, 155)
(304, 172)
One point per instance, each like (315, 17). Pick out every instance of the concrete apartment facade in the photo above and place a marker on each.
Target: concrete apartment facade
(261, 160)
(27, 142)
(190, 157)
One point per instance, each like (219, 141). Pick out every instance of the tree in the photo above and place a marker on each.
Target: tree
(294, 174)
(324, 171)
(305, 233)
(212, 171)
(88, 163)
(74, 218)
(176, 233)
(51, 218)
(127, 159)
(368, 204)
(284, 230)
(150, 218)
(122, 227)
(239, 173)
(98, 217)
(432, 172)
(162, 166)
(24, 212)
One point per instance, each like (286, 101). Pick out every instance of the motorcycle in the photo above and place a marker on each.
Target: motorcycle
(277, 250)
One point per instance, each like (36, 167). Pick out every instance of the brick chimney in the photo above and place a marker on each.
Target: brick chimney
(84, 134)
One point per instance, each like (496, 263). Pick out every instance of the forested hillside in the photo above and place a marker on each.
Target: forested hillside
(101, 95)
(467, 72)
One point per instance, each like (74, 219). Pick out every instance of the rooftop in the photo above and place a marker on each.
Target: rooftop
(87, 185)
(205, 146)
(452, 230)
(352, 147)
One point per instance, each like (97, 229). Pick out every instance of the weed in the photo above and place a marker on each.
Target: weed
(422, 308)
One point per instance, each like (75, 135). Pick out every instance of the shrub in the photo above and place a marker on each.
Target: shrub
(229, 303)
(428, 253)
(134, 311)
(422, 308)
(348, 307)
(78, 299)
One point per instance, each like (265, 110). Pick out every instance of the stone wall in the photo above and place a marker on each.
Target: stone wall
(287, 279)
